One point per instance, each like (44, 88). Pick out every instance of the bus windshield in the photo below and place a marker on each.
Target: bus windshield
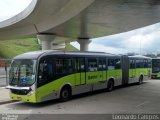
(22, 72)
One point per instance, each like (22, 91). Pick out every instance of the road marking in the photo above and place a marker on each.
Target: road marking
(142, 103)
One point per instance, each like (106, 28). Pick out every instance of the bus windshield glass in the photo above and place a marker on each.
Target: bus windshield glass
(22, 72)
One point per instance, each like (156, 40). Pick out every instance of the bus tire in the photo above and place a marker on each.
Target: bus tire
(140, 80)
(110, 85)
(65, 94)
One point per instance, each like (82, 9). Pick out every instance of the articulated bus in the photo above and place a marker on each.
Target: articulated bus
(155, 68)
(45, 75)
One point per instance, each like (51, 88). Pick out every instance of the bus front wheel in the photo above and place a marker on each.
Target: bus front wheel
(65, 94)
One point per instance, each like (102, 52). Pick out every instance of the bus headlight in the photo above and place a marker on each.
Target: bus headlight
(30, 93)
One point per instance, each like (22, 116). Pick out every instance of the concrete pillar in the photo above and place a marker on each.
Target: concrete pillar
(83, 39)
(84, 43)
(46, 40)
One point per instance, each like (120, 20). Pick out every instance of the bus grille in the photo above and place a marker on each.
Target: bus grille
(20, 92)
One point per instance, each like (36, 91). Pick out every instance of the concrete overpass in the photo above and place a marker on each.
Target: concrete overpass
(57, 21)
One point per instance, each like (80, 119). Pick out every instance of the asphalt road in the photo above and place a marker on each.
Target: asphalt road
(135, 99)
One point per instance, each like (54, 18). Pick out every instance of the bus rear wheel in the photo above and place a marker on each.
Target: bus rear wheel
(65, 94)
(140, 80)
(110, 86)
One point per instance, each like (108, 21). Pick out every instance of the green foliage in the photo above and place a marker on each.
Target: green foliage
(11, 48)
(69, 47)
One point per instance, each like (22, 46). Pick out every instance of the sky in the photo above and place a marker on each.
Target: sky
(9, 8)
(141, 41)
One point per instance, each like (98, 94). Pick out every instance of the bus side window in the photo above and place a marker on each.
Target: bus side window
(82, 65)
(67, 66)
(111, 64)
(132, 64)
(102, 64)
(59, 66)
(145, 63)
(149, 64)
(139, 63)
(45, 72)
(117, 64)
(79, 65)
(70, 65)
(64, 66)
(92, 64)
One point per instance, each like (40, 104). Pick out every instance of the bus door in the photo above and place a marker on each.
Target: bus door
(92, 71)
(102, 69)
(80, 71)
(45, 71)
(125, 70)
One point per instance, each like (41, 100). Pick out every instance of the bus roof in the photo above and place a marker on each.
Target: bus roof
(157, 58)
(139, 57)
(37, 54)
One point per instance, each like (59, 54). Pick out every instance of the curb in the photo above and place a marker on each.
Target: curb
(7, 101)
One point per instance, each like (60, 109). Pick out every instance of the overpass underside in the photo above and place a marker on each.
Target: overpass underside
(79, 19)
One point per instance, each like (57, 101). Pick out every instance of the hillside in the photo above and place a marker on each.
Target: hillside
(69, 47)
(11, 48)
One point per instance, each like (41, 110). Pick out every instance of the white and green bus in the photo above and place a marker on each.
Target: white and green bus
(45, 75)
(155, 68)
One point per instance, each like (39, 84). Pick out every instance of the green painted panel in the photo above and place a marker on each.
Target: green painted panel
(132, 73)
(139, 71)
(114, 73)
(80, 78)
(55, 85)
(91, 77)
(96, 76)
(25, 98)
(83, 78)
(100, 75)
(77, 78)
(104, 75)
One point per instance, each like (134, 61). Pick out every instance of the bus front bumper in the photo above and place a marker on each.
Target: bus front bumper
(24, 98)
